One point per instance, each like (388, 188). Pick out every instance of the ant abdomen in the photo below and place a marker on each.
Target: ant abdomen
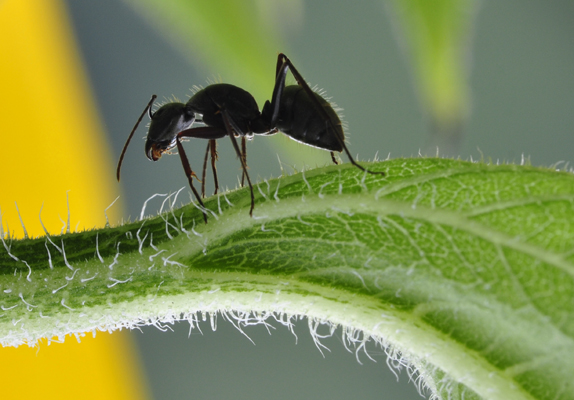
(300, 119)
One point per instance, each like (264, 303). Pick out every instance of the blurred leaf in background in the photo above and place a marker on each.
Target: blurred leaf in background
(238, 41)
(437, 35)
(54, 146)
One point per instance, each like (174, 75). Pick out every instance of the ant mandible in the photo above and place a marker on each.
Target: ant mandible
(227, 110)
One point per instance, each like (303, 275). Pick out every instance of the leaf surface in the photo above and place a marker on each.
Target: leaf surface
(465, 269)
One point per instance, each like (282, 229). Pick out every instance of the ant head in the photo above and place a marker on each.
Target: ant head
(169, 120)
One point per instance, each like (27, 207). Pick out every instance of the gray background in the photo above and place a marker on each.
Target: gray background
(522, 86)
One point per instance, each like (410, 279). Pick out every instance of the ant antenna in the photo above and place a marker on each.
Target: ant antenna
(147, 108)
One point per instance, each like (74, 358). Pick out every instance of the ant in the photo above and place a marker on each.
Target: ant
(227, 110)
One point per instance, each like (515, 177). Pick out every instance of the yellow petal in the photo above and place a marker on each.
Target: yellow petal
(50, 136)
(52, 144)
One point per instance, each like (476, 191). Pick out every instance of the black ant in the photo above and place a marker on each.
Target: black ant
(228, 110)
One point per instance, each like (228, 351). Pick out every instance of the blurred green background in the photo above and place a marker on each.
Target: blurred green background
(516, 99)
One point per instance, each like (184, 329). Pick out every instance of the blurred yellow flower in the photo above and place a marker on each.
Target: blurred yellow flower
(53, 146)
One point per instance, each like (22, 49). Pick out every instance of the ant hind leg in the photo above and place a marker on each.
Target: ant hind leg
(244, 157)
(334, 159)
(283, 64)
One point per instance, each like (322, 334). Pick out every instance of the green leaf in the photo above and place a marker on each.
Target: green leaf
(465, 270)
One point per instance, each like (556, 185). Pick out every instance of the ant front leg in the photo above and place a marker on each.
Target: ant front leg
(284, 64)
(207, 132)
(190, 174)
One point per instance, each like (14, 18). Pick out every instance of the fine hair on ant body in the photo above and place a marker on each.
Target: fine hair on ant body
(227, 110)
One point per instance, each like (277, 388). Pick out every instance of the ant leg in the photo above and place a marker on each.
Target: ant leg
(334, 159)
(283, 64)
(190, 174)
(147, 108)
(211, 149)
(204, 169)
(244, 157)
(205, 132)
(213, 144)
(277, 90)
(230, 129)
